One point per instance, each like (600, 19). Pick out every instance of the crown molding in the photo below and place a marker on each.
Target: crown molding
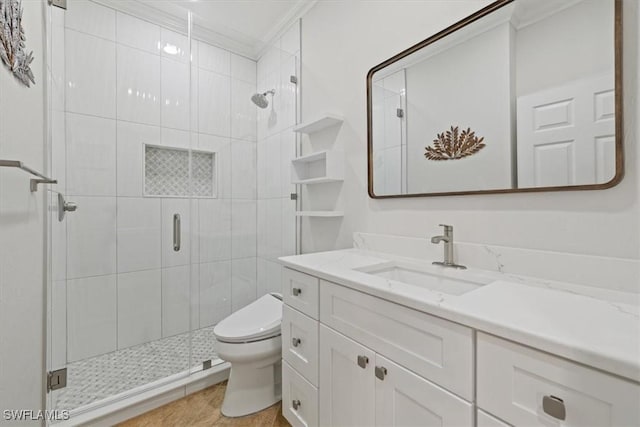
(278, 30)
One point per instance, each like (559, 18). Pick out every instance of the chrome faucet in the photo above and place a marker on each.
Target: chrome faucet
(447, 238)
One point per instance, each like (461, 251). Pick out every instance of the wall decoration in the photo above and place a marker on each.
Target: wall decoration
(12, 42)
(453, 144)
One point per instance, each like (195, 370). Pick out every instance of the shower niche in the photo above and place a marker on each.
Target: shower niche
(178, 172)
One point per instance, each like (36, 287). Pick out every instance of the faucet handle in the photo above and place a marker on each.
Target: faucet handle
(446, 227)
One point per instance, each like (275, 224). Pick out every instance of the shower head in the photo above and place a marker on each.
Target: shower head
(260, 99)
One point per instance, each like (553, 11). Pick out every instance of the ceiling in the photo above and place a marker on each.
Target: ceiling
(245, 27)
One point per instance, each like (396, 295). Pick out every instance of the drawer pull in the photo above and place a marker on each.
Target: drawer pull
(296, 291)
(381, 372)
(554, 406)
(296, 404)
(296, 341)
(363, 361)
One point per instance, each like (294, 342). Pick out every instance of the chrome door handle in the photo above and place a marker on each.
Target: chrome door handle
(176, 232)
(296, 341)
(554, 406)
(296, 404)
(296, 291)
(363, 361)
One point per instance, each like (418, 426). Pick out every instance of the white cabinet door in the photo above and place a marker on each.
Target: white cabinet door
(566, 135)
(347, 382)
(405, 399)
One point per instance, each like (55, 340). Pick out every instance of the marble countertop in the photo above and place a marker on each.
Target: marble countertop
(592, 326)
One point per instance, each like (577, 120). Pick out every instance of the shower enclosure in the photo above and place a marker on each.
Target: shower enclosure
(153, 136)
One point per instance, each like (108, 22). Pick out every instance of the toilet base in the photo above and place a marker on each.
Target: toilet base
(252, 388)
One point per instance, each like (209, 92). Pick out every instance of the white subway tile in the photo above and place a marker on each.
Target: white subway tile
(91, 317)
(215, 292)
(138, 86)
(90, 75)
(91, 241)
(139, 234)
(139, 307)
(91, 156)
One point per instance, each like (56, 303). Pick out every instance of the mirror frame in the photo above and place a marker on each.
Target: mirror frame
(462, 23)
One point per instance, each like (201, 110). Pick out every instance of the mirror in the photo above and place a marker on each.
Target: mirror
(524, 95)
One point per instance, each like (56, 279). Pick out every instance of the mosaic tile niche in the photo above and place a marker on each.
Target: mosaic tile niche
(167, 170)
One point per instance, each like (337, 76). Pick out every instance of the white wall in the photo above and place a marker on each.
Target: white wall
(22, 231)
(334, 67)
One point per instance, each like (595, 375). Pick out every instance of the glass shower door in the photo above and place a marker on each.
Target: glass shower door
(120, 266)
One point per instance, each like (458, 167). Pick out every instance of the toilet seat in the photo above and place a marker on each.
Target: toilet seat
(257, 321)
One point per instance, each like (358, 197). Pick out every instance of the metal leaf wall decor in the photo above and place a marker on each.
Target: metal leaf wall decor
(12, 38)
(453, 144)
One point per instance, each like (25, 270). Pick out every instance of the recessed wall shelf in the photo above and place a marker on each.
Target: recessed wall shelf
(319, 124)
(317, 168)
(320, 214)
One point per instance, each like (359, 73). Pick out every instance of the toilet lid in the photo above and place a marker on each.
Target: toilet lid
(259, 320)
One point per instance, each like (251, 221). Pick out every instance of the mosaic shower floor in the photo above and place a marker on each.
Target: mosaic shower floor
(91, 380)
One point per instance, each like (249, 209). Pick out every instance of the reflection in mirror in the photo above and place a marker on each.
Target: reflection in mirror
(521, 98)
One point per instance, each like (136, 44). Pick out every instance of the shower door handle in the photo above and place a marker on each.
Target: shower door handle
(176, 232)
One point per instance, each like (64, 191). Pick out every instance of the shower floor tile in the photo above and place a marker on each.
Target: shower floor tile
(97, 378)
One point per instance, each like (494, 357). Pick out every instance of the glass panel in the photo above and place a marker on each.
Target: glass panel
(120, 310)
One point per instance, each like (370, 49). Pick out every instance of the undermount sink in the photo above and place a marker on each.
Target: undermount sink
(452, 283)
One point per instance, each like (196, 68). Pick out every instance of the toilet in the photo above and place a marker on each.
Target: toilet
(250, 340)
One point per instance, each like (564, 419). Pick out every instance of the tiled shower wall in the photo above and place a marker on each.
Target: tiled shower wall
(276, 148)
(116, 280)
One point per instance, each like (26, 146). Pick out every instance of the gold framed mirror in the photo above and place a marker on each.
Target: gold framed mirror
(521, 96)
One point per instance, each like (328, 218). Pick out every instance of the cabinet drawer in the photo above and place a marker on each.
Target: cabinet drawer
(300, 343)
(527, 387)
(486, 420)
(435, 349)
(299, 399)
(300, 291)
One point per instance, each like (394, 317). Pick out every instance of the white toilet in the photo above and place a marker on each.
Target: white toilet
(250, 340)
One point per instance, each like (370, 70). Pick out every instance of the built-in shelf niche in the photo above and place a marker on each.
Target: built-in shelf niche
(317, 168)
(178, 172)
(319, 124)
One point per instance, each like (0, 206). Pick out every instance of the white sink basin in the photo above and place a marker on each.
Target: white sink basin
(433, 278)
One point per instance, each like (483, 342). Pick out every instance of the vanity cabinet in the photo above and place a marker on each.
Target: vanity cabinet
(352, 359)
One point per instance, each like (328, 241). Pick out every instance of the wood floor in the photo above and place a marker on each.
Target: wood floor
(203, 409)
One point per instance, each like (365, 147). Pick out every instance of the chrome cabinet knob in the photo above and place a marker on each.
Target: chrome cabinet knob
(554, 406)
(380, 372)
(363, 361)
(296, 404)
(296, 291)
(296, 341)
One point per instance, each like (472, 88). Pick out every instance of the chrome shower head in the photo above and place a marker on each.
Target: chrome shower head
(260, 99)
